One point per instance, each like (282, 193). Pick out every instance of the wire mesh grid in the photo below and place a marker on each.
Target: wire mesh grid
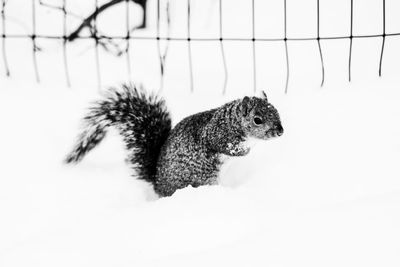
(104, 41)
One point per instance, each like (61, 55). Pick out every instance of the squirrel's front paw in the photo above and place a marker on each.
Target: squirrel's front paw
(237, 149)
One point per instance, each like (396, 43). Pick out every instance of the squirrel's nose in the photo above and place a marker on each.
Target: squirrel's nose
(279, 129)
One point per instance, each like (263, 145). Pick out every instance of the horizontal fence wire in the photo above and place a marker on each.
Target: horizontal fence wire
(202, 39)
(105, 41)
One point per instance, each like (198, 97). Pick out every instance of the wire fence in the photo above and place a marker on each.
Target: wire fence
(107, 42)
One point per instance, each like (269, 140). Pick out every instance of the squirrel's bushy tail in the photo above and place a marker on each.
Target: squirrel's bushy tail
(141, 119)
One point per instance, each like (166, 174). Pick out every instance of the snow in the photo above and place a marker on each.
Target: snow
(326, 193)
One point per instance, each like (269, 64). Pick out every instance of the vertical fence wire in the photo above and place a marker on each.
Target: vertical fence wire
(96, 48)
(221, 45)
(286, 47)
(319, 47)
(64, 46)
(253, 47)
(189, 46)
(383, 36)
(128, 41)
(351, 39)
(34, 46)
(3, 29)
(166, 49)
(159, 47)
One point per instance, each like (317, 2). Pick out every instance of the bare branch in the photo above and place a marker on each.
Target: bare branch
(88, 20)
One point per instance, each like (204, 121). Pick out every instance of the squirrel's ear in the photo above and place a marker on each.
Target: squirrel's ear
(245, 105)
(264, 95)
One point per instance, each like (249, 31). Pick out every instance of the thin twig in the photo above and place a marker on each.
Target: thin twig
(86, 23)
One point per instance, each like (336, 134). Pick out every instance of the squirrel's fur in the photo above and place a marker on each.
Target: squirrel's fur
(190, 153)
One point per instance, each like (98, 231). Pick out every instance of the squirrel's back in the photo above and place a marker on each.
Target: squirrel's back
(184, 159)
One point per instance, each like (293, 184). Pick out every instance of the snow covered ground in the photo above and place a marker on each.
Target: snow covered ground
(326, 193)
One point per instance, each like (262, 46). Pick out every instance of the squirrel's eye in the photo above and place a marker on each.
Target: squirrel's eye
(258, 121)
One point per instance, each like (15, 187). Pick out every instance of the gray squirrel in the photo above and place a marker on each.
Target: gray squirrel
(188, 154)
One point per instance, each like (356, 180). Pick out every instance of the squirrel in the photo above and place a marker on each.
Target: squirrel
(188, 154)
